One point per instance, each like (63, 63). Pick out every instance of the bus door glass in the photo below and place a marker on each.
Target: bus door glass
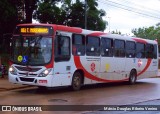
(62, 54)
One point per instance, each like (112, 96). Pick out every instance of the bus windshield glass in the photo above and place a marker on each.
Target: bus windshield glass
(31, 50)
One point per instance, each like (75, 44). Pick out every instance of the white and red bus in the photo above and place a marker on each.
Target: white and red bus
(48, 55)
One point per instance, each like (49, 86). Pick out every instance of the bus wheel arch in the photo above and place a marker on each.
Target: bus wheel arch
(133, 76)
(77, 80)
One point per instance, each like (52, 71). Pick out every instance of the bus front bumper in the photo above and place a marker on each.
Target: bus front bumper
(36, 81)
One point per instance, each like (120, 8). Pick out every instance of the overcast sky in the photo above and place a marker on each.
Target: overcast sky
(148, 14)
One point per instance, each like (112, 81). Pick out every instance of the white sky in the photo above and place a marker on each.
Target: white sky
(123, 20)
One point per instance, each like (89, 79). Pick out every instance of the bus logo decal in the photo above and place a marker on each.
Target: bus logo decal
(139, 63)
(93, 67)
(146, 67)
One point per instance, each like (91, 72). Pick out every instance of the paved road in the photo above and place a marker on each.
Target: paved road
(101, 94)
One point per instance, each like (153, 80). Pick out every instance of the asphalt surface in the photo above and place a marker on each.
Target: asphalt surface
(145, 92)
(5, 85)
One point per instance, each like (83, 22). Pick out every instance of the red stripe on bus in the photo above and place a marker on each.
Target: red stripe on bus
(97, 34)
(140, 40)
(90, 76)
(68, 29)
(49, 65)
(146, 67)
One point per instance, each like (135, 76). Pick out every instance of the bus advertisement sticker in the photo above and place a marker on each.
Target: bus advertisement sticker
(20, 58)
(107, 67)
(25, 59)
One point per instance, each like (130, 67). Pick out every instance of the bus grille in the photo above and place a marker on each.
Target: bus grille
(27, 79)
(27, 69)
(27, 74)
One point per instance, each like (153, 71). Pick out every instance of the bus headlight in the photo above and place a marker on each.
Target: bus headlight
(12, 70)
(45, 72)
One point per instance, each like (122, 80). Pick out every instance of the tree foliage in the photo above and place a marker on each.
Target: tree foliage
(30, 6)
(71, 14)
(116, 32)
(152, 32)
(48, 12)
(8, 18)
(12, 13)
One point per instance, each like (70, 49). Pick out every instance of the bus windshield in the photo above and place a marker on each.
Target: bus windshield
(31, 50)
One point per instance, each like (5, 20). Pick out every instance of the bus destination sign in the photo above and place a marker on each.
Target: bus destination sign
(26, 30)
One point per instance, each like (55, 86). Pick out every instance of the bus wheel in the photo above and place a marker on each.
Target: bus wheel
(76, 81)
(132, 77)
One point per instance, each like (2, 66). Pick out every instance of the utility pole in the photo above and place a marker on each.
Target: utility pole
(85, 14)
(109, 24)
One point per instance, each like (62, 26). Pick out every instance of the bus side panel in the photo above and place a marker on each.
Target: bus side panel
(130, 64)
(107, 68)
(92, 66)
(118, 68)
(142, 72)
(153, 69)
(62, 74)
(155, 62)
(112, 68)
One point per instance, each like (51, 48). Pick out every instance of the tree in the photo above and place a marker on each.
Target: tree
(30, 5)
(95, 16)
(71, 13)
(151, 32)
(8, 19)
(12, 13)
(116, 32)
(48, 12)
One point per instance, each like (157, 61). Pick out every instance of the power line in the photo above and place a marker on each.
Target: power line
(122, 6)
(139, 6)
(130, 9)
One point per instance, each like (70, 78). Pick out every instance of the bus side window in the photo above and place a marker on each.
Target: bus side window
(130, 49)
(62, 48)
(106, 47)
(140, 50)
(149, 51)
(78, 44)
(92, 46)
(119, 48)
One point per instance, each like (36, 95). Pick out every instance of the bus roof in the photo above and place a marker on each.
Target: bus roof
(90, 32)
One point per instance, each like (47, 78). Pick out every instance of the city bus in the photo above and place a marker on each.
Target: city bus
(50, 55)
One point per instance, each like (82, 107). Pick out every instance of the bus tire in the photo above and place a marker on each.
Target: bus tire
(132, 77)
(76, 81)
